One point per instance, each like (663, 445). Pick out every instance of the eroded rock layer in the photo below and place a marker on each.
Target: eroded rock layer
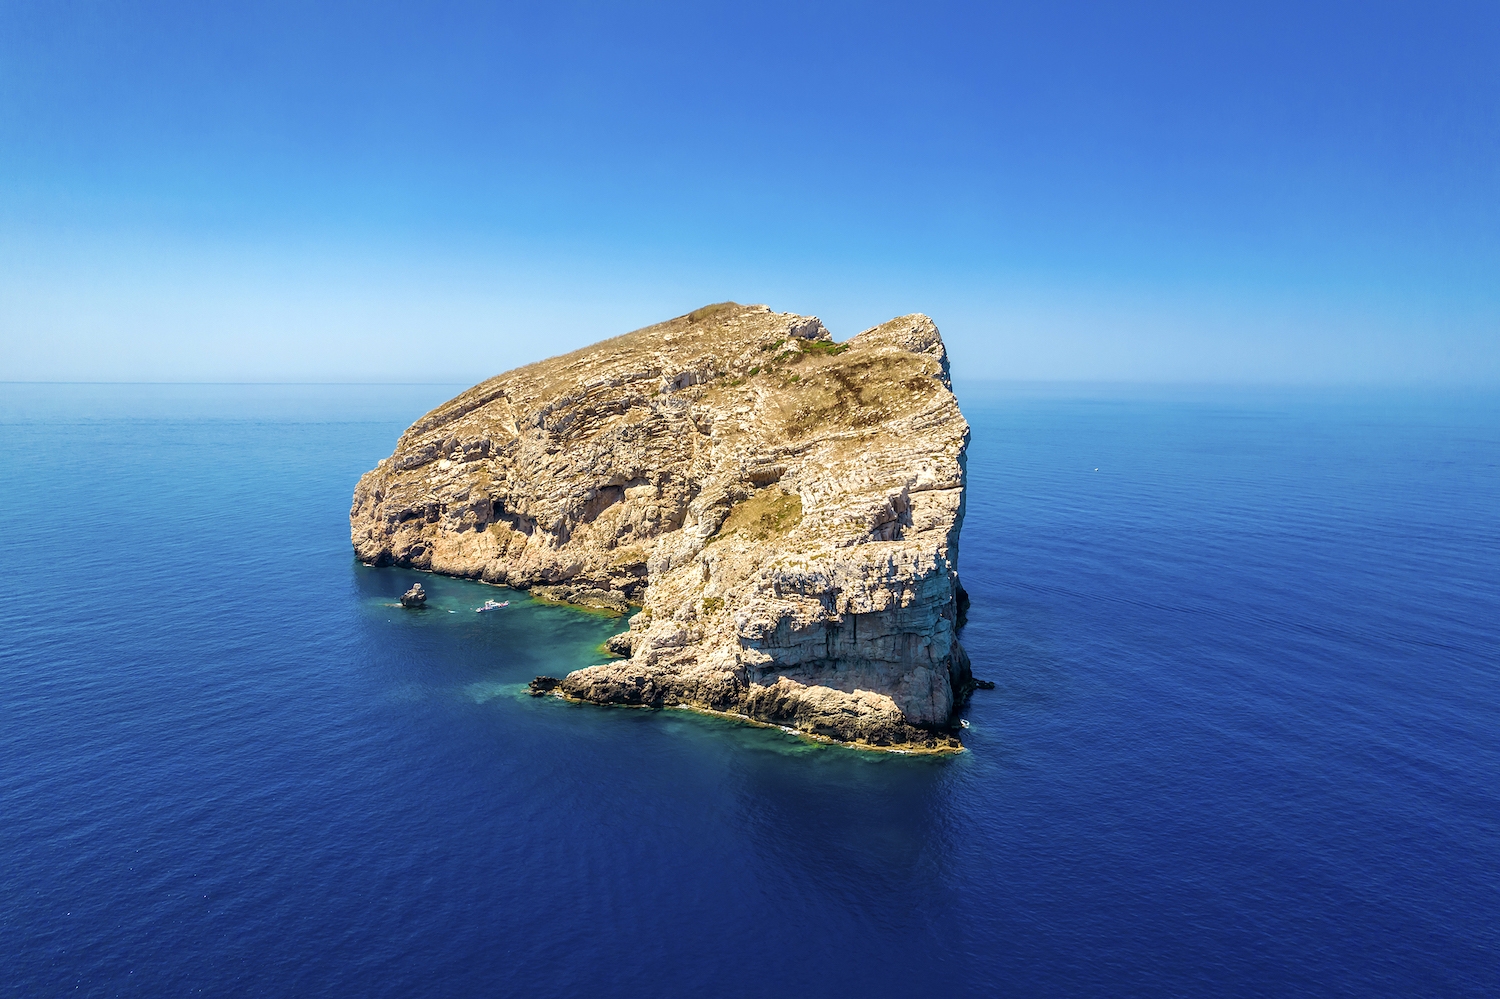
(785, 511)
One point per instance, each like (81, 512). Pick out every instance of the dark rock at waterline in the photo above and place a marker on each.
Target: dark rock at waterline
(619, 644)
(543, 685)
(414, 597)
(583, 596)
(966, 689)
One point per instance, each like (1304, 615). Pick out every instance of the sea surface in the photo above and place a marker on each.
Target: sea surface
(1245, 739)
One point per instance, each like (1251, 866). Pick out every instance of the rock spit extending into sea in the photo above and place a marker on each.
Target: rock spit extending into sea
(784, 511)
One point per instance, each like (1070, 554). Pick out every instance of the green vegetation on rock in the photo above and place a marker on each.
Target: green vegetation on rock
(768, 514)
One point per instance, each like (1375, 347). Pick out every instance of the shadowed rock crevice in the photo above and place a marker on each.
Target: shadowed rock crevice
(784, 511)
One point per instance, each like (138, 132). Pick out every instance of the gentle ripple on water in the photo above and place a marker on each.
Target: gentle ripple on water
(1244, 740)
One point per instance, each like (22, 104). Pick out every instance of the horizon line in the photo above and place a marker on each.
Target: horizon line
(1120, 382)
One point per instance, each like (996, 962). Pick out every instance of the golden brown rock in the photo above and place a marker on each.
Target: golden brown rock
(785, 510)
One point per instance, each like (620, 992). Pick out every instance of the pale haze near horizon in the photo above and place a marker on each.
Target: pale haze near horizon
(1290, 195)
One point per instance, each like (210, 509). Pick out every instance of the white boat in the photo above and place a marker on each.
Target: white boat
(491, 605)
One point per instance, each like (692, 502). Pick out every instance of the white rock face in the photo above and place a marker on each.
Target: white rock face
(784, 509)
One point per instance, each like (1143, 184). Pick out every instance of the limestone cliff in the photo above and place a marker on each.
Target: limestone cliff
(784, 509)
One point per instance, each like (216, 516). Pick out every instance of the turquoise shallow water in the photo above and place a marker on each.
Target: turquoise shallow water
(1244, 740)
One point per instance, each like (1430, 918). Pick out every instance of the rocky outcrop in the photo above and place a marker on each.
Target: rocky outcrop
(783, 509)
(414, 597)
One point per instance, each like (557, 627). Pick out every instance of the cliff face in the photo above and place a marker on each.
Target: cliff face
(786, 511)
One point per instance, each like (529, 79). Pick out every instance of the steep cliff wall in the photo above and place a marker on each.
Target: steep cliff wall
(784, 509)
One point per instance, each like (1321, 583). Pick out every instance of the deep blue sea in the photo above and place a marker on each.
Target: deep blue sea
(1245, 739)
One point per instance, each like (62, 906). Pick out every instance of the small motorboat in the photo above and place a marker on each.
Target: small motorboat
(491, 605)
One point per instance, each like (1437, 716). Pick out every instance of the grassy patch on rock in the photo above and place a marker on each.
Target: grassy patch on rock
(712, 311)
(628, 557)
(768, 514)
(856, 394)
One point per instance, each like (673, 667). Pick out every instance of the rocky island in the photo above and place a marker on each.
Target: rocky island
(784, 510)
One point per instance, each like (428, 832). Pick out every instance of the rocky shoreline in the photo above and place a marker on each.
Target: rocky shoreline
(928, 742)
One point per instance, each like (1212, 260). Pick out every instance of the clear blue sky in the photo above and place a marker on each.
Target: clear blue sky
(1247, 192)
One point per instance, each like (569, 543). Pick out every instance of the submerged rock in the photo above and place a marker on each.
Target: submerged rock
(784, 509)
(414, 597)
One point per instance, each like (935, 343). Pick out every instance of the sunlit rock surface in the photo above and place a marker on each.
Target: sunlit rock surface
(784, 511)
